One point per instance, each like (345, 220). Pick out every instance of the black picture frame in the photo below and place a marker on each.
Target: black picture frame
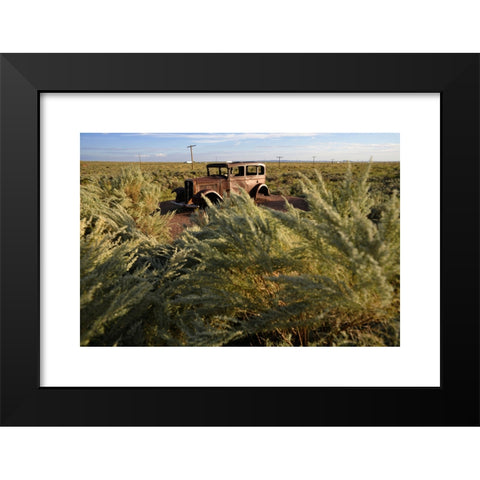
(24, 77)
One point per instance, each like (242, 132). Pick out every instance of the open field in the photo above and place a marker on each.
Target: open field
(283, 179)
(325, 273)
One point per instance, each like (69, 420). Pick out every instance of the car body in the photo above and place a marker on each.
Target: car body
(221, 180)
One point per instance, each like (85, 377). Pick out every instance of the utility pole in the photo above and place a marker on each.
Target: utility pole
(191, 152)
(313, 159)
(279, 157)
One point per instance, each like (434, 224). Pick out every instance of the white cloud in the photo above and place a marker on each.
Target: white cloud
(223, 137)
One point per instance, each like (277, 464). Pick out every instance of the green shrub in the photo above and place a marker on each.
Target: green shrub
(109, 287)
(129, 200)
(348, 287)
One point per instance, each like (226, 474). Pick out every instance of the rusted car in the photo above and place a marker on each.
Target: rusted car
(221, 179)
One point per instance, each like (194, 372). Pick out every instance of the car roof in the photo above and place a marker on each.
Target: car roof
(235, 163)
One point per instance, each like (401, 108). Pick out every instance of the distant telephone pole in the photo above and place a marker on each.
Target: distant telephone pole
(313, 159)
(191, 152)
(279, 157)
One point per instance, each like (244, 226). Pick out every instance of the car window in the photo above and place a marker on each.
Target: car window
(261, 170)
(237, 171)
(214, 171)
(251, 170)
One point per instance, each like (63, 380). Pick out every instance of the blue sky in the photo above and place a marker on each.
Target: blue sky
(172, 147)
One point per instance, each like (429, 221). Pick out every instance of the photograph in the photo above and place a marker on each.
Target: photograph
(240, 239)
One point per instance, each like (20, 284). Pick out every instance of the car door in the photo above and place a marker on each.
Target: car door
(237, 178)
(251, 177)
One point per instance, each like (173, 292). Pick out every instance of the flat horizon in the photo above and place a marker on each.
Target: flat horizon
(224, 147)
(232, 161)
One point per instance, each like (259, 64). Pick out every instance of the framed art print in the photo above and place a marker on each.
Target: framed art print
(269, 240)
